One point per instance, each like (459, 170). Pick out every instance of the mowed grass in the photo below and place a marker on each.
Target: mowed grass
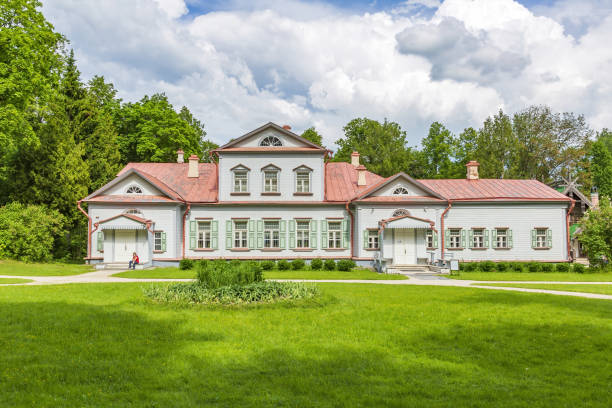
(535, 276)
(16, 268)
(601, 289)
(92, 345)
(175, 273)
(6, 281)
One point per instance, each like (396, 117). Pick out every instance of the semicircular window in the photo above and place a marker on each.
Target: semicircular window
(400, 190)
(133, 190)
(401, 212)
(133, 211)
(270, 141)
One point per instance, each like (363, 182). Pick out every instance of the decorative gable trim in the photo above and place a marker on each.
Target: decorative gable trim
(146, 177)
(274, 126)
(271, 166)
(387, 181)
(240, 167)
(302, 167)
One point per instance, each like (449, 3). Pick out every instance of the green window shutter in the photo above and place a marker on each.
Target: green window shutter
(291, 234)
(100, 243)
(214, 234)
(283, 234)
(533, 238)
(163, 242)
(486, 238)
(462, 238)
(192, 234)
(471, 238)
(494, 238)
(260, 228)
(549, 238)
(510, 241)
(323, 234)
(228, 233)
(435, 239)
(251, 234)
(313, 234)
(346, 233)
(365, 239)
(447, 238)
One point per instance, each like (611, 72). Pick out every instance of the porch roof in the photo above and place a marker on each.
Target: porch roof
(407, 221)
(124, 222)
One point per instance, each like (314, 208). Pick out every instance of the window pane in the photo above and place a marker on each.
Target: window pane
(333, 226)
(303, 225)
(240, 225)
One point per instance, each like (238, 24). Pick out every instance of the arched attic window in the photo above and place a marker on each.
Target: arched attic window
(133, 190)
(400, 213)
(400, 190)
(133, 211)
(270, 141)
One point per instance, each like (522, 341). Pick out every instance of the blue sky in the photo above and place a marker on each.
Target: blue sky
(238, 64)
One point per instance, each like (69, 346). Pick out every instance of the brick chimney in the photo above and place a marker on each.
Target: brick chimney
(193, 166)
(361, 175)
(594, 198)
(286, 127)
(355, 159)
(180, 156)
(472, 170)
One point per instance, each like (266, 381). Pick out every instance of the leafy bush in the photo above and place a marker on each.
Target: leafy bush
(298, 264)
(267, 265)
(517, 267)
(29, 232)
(596, 235)
(562, 267)
(487, 266)
(578, 268)
(502, 266)
(468, 266)
(534, 267)
(316, 264)
(258, 292)
(283, 265)
(329, 264)
(185, 264)
(345, 265)
(219, 273)
(548, 267)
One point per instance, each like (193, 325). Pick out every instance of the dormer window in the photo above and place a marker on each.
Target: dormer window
(241, 179)
(133, 190)
(270, 141)
(400, 191)
(302, 179)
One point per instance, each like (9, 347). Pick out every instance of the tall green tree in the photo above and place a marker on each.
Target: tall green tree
(312, 135)
(596, 235)
(601, 167)
(382, 146)
(438, 148)
(495, 146)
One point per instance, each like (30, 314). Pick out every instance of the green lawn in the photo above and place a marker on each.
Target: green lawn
(603, 289)
(535, 276)
(15, 268)
(175, 273)
(5, 281)
(93, 345)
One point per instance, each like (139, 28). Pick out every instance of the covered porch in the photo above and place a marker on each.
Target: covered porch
(120, 236)
(403, 241)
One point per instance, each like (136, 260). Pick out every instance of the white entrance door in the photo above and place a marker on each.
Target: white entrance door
(404, 247)
(125, 245)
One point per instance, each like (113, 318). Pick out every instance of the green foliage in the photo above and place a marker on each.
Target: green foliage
(298, 264)
(219, 273)
(502, 266)
(185, 264)
(329, 265)
(518, 267)
(534, 266)
(468, 266)
(562, 267)
(312, 135)
(486, 266)
(596, 236)
(345, 265)
(27, 232)
(267, 265)
(283, 265)
(437, 150)
(578, 268)
(601, 167)
(548, 267)
(316, 264)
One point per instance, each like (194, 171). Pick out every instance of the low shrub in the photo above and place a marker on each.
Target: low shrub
(502, 266)
(283, 265)
(329, 264)
(534, 267)
(298, 264)
(258, 292)
(267, 265)
(345, 265)
(219, 273)
(316, 264)
(468, 266)
(562, 267)
(517, 267)
(579, 268)
(486, 266)
(185, 264)
(548, 267)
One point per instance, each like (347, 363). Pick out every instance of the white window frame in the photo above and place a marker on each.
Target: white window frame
(429, 239)
(157, 241)
(241, 235)
(334, 236)
(302, 234)
(133, 187)
(300, 188)
(541, 239)
(244, 185)
(265, 142)
(454, 237)
(204, 236)
(401, 190)
(373, 242)
(501, 239)
(267, 187)
(478, 239)
(271, 234)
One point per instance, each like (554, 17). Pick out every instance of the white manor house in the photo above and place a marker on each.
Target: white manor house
(274, 195)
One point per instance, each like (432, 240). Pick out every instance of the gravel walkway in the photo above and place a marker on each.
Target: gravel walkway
(105, 276)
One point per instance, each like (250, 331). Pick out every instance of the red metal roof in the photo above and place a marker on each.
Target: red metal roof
(341, 181)
(174, 175)
(493, 189)
(270, 149)
(130, 199)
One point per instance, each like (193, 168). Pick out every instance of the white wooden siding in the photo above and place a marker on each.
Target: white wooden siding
(134, 179)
